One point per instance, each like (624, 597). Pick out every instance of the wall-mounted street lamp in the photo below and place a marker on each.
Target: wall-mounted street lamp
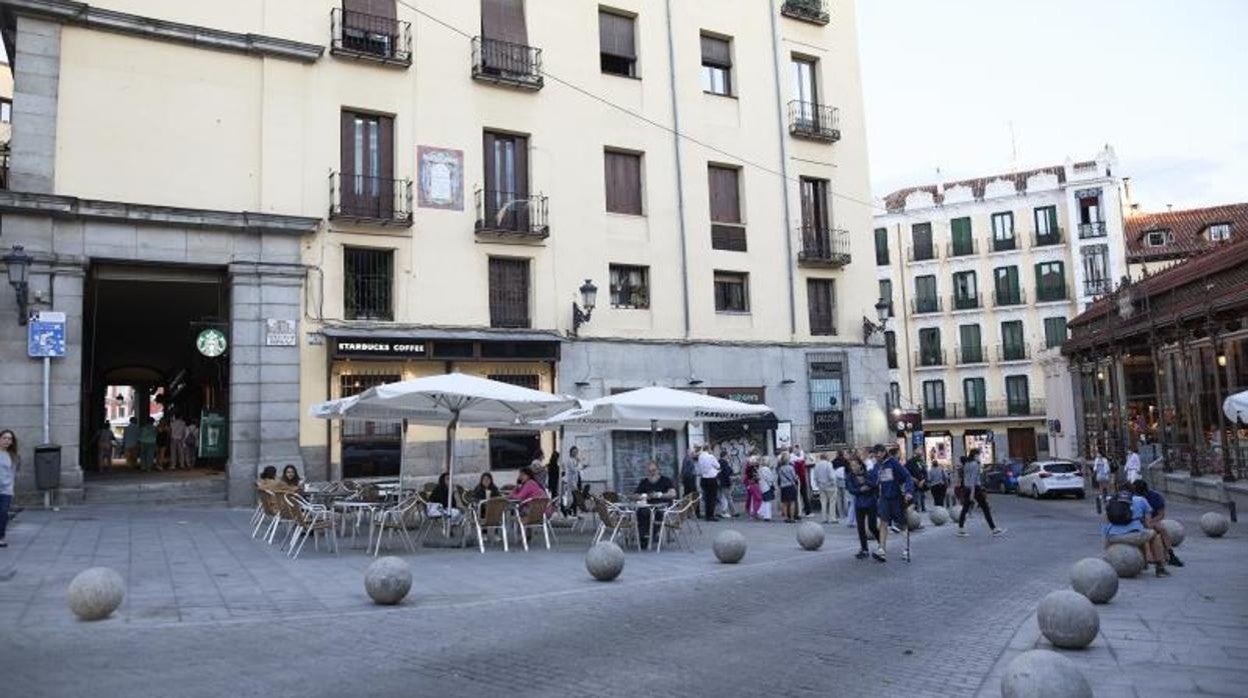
(582, 312)
(18, 263)
(868, 327)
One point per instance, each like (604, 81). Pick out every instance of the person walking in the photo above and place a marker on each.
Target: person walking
(1101, 479)
(10, 463)
(572, 468)
(938, 483)
(973, 494)
(104, 448)
(177, 442)
(825, 483)
(753, 493)
(1132, 467)
(767, 488)
(798, 459)
(130, 442)
(862, 486)
(896, 491)
(726, 509)
(689, 477)
(708, 471)
(552, 475)
(147, 446)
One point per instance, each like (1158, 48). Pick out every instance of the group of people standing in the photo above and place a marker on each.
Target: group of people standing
(170, 443)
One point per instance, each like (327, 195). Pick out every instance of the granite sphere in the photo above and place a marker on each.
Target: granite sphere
(729, 546)
(1174, 532)
(913, 519)
(1043, 674)
(1095, 579)
(605, 561)
(955, 513)
(810, 535)
(387, 580)
(1068, 619)
(939, 516)
(96, 592)
(1215, 524)
(1127, 560)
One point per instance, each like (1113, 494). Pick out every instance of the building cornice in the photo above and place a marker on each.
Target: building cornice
(73, 208)
(82, 14)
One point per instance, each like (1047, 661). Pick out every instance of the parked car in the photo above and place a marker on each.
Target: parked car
(1051, 477)
(1000, 477)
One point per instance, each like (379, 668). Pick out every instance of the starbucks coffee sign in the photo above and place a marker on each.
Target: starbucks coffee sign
(211, 343)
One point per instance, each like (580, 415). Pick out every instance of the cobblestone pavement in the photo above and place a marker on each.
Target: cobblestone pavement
(210, 612)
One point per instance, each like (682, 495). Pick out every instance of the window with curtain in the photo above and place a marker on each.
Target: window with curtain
(716, 65)
(1046, 224)
(1003, 231)
(623, 179)
(732, 292)
(930, 353)
(617, 43)
(1050, 281)
(630, 286)
(965, 290)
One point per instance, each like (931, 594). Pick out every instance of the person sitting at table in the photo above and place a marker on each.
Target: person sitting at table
(654, 488)
(527, 486)
(485, 488)
(290, 477)
(269, 473)
(437, 501)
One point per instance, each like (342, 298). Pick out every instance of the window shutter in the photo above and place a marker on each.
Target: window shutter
(728, 237)
(725, 207)
(716, 52)
(386, 145)
(623, 181)
(347, 144)
(615, 35)
(503, 20)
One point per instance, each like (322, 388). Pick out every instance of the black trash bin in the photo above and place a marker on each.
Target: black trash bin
(48, 466)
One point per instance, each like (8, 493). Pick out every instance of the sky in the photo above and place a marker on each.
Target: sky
(1165, 82)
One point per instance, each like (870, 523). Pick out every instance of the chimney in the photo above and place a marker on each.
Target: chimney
(1126, 194)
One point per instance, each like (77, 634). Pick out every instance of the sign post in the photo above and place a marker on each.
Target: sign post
(45, 339)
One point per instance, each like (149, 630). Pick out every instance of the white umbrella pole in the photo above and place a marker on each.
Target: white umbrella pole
(402, 454)
(654, 429)
(450, 471)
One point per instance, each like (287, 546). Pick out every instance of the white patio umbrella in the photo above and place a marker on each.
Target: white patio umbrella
(449, 400)
(1236, 406)
(652, 408)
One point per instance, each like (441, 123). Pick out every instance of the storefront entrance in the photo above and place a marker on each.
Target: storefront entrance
(1022, 444)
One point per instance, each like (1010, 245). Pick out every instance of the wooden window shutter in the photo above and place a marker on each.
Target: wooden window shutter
(716, 52)
(724, 191)
(347, 145)
(386, 146)
(623, 180)
(522, 166)
(615, 35)
(821, 300)
(728, 237)
(504, 20)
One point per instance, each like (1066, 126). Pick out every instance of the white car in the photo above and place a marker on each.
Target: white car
(1047, 477)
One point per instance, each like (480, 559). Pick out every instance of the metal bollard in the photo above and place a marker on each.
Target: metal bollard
(1230, 504)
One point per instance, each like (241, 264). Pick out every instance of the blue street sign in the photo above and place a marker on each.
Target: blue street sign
(46, 335)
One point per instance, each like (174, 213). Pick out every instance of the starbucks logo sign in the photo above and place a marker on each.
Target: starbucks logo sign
(211, 343)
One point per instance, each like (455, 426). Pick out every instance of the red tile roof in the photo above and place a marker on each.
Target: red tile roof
(896, 201)
(1190, 229)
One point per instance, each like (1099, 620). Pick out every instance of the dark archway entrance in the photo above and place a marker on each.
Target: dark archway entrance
(141, 359)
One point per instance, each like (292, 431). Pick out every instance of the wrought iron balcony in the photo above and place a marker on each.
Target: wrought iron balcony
(974, 354)
(1010, 296)
(990, 409)
(1046, 239)
(511, 215)
(967, 302)
(1011, 351)
(1096, 287)
(921, 305)
(929, 357)
(505, 63)
(370, 37)
(1051, 292)
(963, 248)
(824, 247)
(1016, 408)
(1009, 244)
(935, 412)
(1095, 229)
(377, 200)
(807, 10)
(814, 121)
(922, 253)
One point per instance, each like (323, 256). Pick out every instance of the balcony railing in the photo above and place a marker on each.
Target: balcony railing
(362, 199)
(824, 247)
(1096, 287)
(1095, 229)
(815, 121)
(922, 254)
(1013, 352)
(806, 10)
(505, 63)
(509, 214)
(965, 248)
(967, 302)
(920, 305)
(990, 409)
(1045, 239)
(369, 37)
(1009, 244)
(1014, 296)
(975, 354)
(929, 357)
(1051, 292)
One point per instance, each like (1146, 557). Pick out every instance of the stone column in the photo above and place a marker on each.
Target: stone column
(36, 80)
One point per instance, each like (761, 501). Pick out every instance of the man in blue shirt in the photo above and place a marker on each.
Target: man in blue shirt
(1158, 503)
(896, 489)
(1137, 532)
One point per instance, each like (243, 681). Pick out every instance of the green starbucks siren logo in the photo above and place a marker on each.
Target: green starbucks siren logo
(211, 343)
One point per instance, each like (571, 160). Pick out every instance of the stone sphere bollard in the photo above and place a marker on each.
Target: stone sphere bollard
(939, 516)
(913, 519)
(729, 546)
(388, 580)
(1127, 560)
(96, 592)
(1174, 531)
(1043, 674)
(810, 535)
(1095, 579)
(1215, 524)
(605, 561)
(1068, 619)
(955, 513)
